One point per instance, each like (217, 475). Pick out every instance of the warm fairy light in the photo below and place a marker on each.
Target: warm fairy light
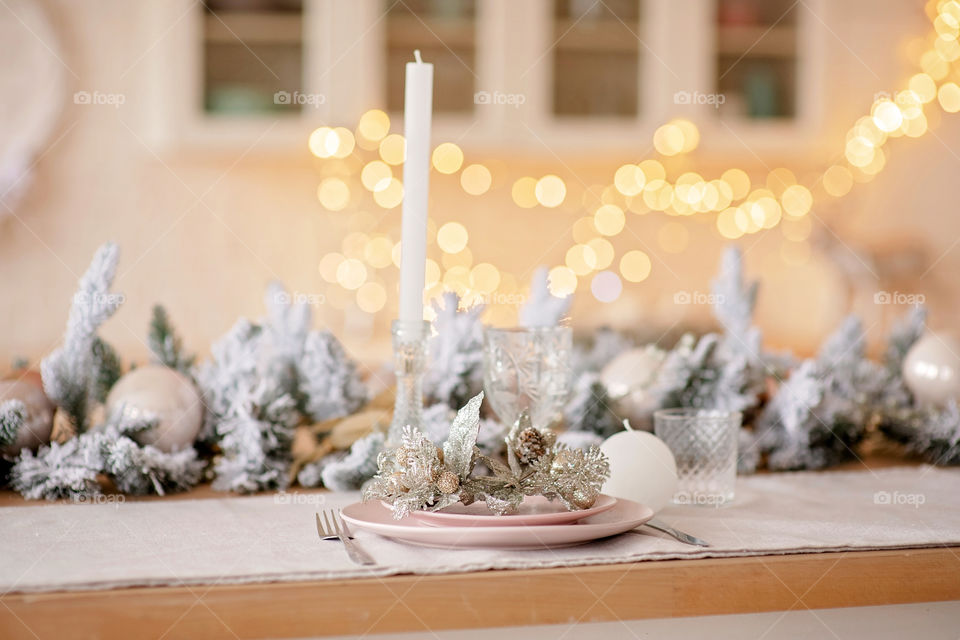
(673, 237)
(431, 273)
(740, 207)
(581, 259)
(859, 151)
(395, 254)
(886, 115)
(779, 179)
(393, 149)
(323, 142)
(377, 252)
(606, 286)
(374, 125)
(485, 277)
(351, 274)
(371, 297)
(652, 170)
(837, 181)
(949, 97)
(452, 237)
(635, 265)
(661, 198)
(376, 175)
(609, 220)
(328, 266)
(550, 191)
(691, 135)
(447, 158)
(629, 179)
(334, 194)
(797, 200)
(603, 251)
(876, 163)
(390, 195)
(949, 50)
(739, 182)
(668, 139)
(561, 281)
(345, 142)
(524, 192)
(727, 223)
(476, 179)
(924, 86)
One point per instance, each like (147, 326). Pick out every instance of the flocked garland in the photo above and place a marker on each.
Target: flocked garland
(265, 378)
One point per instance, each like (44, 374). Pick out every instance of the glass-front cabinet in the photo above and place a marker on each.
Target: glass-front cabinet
(533, 73)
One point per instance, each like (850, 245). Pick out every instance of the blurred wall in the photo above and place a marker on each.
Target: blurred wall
(203, 233)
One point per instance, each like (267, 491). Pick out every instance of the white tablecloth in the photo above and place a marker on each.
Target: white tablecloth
(273, 537)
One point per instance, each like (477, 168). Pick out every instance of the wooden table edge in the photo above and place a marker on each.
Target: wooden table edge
(640, 590)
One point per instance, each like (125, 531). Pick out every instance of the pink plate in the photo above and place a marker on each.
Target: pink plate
(373, 516)
(535, 511)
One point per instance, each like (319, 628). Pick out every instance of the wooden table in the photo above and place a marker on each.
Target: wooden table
(651, 589)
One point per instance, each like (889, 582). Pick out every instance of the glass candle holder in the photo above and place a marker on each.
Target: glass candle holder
(527, 370)
(409, 360)
(704, 444)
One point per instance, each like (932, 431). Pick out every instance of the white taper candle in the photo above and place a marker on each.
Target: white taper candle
(417, 110)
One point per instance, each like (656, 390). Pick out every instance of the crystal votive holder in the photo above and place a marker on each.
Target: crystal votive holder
(410, 361)
(704, 444)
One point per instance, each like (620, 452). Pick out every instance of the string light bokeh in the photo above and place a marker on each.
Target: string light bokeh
(366, 159)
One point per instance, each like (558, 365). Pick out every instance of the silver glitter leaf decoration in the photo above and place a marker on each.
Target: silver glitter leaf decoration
(459, 448)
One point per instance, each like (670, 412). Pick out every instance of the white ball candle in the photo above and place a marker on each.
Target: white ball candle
(642, 468)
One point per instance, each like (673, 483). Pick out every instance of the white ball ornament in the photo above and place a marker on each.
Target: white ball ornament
(165, 393)
(642, 468)
(39, 419)
(627, 379)
(931, 369)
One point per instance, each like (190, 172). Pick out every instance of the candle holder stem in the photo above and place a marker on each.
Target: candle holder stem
(409, 358)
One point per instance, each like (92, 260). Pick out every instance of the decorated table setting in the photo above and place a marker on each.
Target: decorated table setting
(482, 448)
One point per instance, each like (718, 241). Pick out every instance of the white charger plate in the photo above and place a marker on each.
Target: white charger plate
(534, 511)
(374, 517)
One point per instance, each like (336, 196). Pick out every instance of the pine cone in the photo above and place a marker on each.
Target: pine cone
(531, 445)
(448, 482)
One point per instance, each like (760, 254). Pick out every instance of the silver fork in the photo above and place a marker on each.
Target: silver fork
(333, 527)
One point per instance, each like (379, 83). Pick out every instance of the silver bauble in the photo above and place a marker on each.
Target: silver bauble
(165, 393)
(36, 428)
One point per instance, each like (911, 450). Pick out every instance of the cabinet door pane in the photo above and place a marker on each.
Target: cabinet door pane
(596, 58)
(757, 58)
(445, 33)
(252, 56)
